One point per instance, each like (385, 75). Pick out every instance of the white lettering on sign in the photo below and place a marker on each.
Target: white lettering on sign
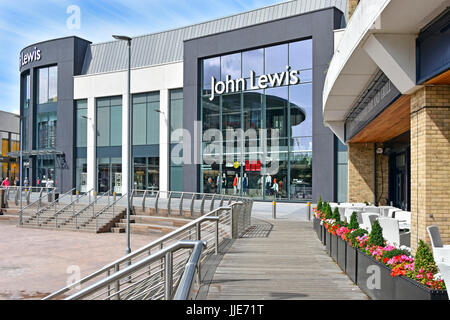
(288, 77)
(26, 58)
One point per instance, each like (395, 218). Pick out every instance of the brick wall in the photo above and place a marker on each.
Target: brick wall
(361, 173)
(351, 7)
(430, 162)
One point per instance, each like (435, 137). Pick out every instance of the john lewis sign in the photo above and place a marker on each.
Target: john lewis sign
(288, 77)
(26, 58)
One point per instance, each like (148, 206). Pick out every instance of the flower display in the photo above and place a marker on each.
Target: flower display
(401, 264)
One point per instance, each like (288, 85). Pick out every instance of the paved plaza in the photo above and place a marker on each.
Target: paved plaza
(35, 262)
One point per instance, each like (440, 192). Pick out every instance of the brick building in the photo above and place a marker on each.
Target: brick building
(387, 98)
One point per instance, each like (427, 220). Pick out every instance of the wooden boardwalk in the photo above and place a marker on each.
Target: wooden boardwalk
(276, 260)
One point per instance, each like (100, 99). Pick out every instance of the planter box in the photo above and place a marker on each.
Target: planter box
(334, 247)
(375, 278)
(316, 226)
(323, 235)
(408, 289)
(351, 262)
(341, 253)
(328, 243)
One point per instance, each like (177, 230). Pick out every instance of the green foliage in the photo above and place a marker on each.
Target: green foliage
(336, 216)
(395, 252)
(357, 233)
(328, 213)
(424, 258)
(353, 221)
(319, 204)
(376, 236)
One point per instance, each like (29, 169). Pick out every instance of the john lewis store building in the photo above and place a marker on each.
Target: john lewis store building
(261, 72)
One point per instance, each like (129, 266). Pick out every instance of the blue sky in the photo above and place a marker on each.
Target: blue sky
(24, 22)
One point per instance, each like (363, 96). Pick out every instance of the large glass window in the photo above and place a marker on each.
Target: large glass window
(282, 169)
(81, 123)
(342, 171)
(146, 173)
(46, 130)
(81, 175)
(176, 122)
(109, 175)
(109, 121)
(47, 85)
(146, 118)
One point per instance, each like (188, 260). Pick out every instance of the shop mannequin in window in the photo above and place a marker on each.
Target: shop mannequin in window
(275, 188)
(239, 185)
(268, 184)
(245, 184)
(235, 183)
(224, 183)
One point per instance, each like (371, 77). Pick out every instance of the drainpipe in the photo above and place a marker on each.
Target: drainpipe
(375, 174)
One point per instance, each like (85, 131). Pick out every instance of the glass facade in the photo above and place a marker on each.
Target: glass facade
(81, 123)
(146, 118)
(81, 175)
(46, 130)
(109, 121)
(109, 175)
(146, 173)
(176, 122)
(342, 171)
(9, 166)
(47, 85)
(268, 126)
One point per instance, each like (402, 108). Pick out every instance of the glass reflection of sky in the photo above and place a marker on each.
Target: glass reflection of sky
(300, 54)
(301, 95)
(252, 60)
(276, 59)
(231, 65)
(211, 68)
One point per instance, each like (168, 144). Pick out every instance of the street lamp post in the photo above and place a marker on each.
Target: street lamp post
(129, 138)
(20, 167)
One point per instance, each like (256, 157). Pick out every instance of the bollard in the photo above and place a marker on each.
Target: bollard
(274, 210)
(309, 210)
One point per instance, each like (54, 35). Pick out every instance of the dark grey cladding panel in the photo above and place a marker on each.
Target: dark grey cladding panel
(319, 25)
(68, 54)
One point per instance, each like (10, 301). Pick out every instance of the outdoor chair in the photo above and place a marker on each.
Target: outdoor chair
(444, 270)
(441, 252)
(391, 212)
(349, 212)
(368, 219)
(391, 233)
(404, 219)
(371, 210)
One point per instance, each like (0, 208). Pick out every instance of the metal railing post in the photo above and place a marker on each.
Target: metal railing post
(192, 205)
(211, 208)
(199, 237)
(117, 286)
(202, 206)
(169, 276)
(143, 200)
(156, 202)
(217, 236)
(309, 211)
(168, 203)
(181, 203)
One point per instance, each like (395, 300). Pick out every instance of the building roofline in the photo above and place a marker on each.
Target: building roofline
(55, 39)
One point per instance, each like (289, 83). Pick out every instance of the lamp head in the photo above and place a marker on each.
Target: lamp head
(123, 38)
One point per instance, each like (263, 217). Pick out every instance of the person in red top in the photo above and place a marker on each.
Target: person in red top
(6, 182)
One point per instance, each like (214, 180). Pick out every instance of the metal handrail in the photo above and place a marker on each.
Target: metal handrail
(197, 247)
(157, 243)
(109, 206)
(73, 202)
(38, 200)
(55, 201)
(184, 289)
(91, 203)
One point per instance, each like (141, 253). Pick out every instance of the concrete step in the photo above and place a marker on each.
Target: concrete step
(147, 228)
(165, 221)
(9, 218)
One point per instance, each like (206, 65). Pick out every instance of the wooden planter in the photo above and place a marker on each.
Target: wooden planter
(341, 253)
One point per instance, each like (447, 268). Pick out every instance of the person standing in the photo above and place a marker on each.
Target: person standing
(6, 182)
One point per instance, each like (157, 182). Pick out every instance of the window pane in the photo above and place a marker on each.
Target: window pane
(277, 110)
(211, 113)
(139, 124)
(176, 112)
(253, 61)
(276, 59)
(153, 119)
(53, 84)
(300, 98)
(116, 126)
(176, 178)
(43, 86)
(81, 128)
(231, 113)
(103, 127)
(211, 68)
(300, 55)
(231, 65)
(301, 176)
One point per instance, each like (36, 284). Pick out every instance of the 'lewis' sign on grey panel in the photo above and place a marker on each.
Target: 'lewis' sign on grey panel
(377, 99)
